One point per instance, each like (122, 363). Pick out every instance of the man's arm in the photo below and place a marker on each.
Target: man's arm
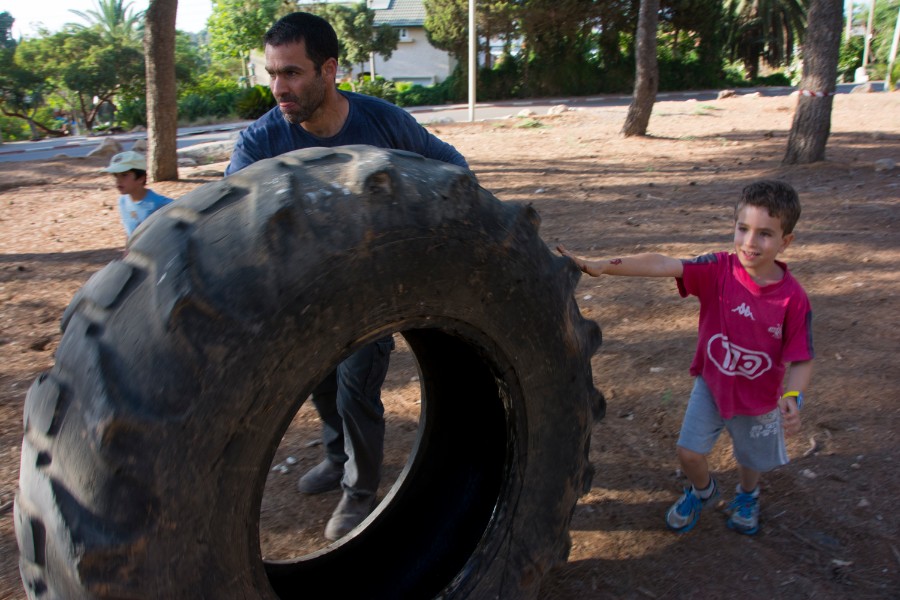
(639, 265)
(440, 150)
(423, 141)
(240, 157)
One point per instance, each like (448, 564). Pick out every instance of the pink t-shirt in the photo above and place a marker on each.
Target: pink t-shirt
(747, 333)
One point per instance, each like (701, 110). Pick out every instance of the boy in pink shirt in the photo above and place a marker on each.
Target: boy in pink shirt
(755, 319)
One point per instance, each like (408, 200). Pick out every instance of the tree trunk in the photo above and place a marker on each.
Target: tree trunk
(162, 101)
(646, 81)
(812, 119)
(752, 68)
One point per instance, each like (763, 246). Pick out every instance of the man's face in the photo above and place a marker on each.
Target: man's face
(298, 88)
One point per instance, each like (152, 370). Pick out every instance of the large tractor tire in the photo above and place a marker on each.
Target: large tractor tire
(181, 366)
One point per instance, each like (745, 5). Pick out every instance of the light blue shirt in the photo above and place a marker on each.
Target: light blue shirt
(133, 213)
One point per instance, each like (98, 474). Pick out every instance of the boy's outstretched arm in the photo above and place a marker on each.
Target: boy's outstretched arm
(798, 379)
(639, 265)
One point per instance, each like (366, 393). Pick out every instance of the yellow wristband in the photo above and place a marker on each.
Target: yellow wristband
(797, 395)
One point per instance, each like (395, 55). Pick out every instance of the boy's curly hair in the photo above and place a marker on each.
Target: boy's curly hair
(777, 197)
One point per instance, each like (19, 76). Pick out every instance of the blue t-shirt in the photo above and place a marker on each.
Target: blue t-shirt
(371, 121)
(133, 213)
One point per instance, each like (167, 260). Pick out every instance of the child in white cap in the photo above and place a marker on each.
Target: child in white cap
(137, 201)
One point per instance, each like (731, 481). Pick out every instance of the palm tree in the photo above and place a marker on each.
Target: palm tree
(767, 29)
(115, 17)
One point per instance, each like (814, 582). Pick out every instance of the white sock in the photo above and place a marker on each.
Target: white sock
(705, 492)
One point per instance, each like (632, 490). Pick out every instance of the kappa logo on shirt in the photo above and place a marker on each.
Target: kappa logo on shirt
(733, 360)
(775, 331)
(744, 311)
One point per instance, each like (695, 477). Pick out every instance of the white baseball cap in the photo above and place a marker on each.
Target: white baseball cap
(126, 161)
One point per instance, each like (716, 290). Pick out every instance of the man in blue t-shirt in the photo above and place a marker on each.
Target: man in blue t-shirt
(301, 58)
(312, 112)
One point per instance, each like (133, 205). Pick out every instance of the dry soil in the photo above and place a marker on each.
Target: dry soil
(828, 526)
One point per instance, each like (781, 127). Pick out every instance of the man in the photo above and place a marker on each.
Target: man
(301, 58)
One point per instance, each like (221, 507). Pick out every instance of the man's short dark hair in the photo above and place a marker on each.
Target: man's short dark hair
(777, 197)
(319, 36)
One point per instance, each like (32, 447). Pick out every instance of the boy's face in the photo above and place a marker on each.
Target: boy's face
(128, 183)
(758, 239)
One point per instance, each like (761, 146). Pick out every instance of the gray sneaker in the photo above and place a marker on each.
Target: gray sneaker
(685, 513)
(324, 477)
(743, 511)
(349, 513)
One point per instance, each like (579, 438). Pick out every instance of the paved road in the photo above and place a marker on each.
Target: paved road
(484, 111)
(82, 145)
(499, 110)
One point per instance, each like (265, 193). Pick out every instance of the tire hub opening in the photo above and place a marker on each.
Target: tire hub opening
(426, 529)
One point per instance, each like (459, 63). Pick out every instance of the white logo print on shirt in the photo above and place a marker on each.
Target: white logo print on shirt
(744, 311)
(732, 359)
(775, 331)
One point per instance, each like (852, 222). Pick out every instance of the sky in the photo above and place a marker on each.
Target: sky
(191, 16)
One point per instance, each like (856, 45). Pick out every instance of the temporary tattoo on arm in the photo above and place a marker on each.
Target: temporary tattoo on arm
(616, 261)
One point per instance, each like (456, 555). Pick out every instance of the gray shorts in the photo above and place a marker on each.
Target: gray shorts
(758, 442)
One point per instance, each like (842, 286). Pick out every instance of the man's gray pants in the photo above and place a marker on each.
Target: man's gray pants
(349, 403)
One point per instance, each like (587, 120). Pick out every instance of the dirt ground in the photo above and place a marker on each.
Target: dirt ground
(828, 530)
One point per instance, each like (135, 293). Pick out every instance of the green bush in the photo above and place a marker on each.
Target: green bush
(687, 72)
(380, 88)
(212, 84)
(616, 78)
(132, 112)
(254, 102)
(502, 81)
(733, 75)
(194, 107)
(775, 79)
(419, 95)
(14, 130)
(212, 96)
(576, 75)
(878, 72)
(850, 58)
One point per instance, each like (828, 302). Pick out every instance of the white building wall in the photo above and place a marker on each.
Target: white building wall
(415, 61)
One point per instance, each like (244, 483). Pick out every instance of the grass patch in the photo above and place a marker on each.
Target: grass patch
(530, 124)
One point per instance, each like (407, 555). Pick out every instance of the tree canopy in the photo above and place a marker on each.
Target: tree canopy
(358, 37)
(115, 18)
(83, 67)
(767, 29)
(237, 26)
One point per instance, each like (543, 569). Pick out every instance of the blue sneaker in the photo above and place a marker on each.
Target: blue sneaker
(744, 512)
(685, 513)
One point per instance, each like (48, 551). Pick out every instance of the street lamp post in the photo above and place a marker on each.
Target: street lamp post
(473, 60)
